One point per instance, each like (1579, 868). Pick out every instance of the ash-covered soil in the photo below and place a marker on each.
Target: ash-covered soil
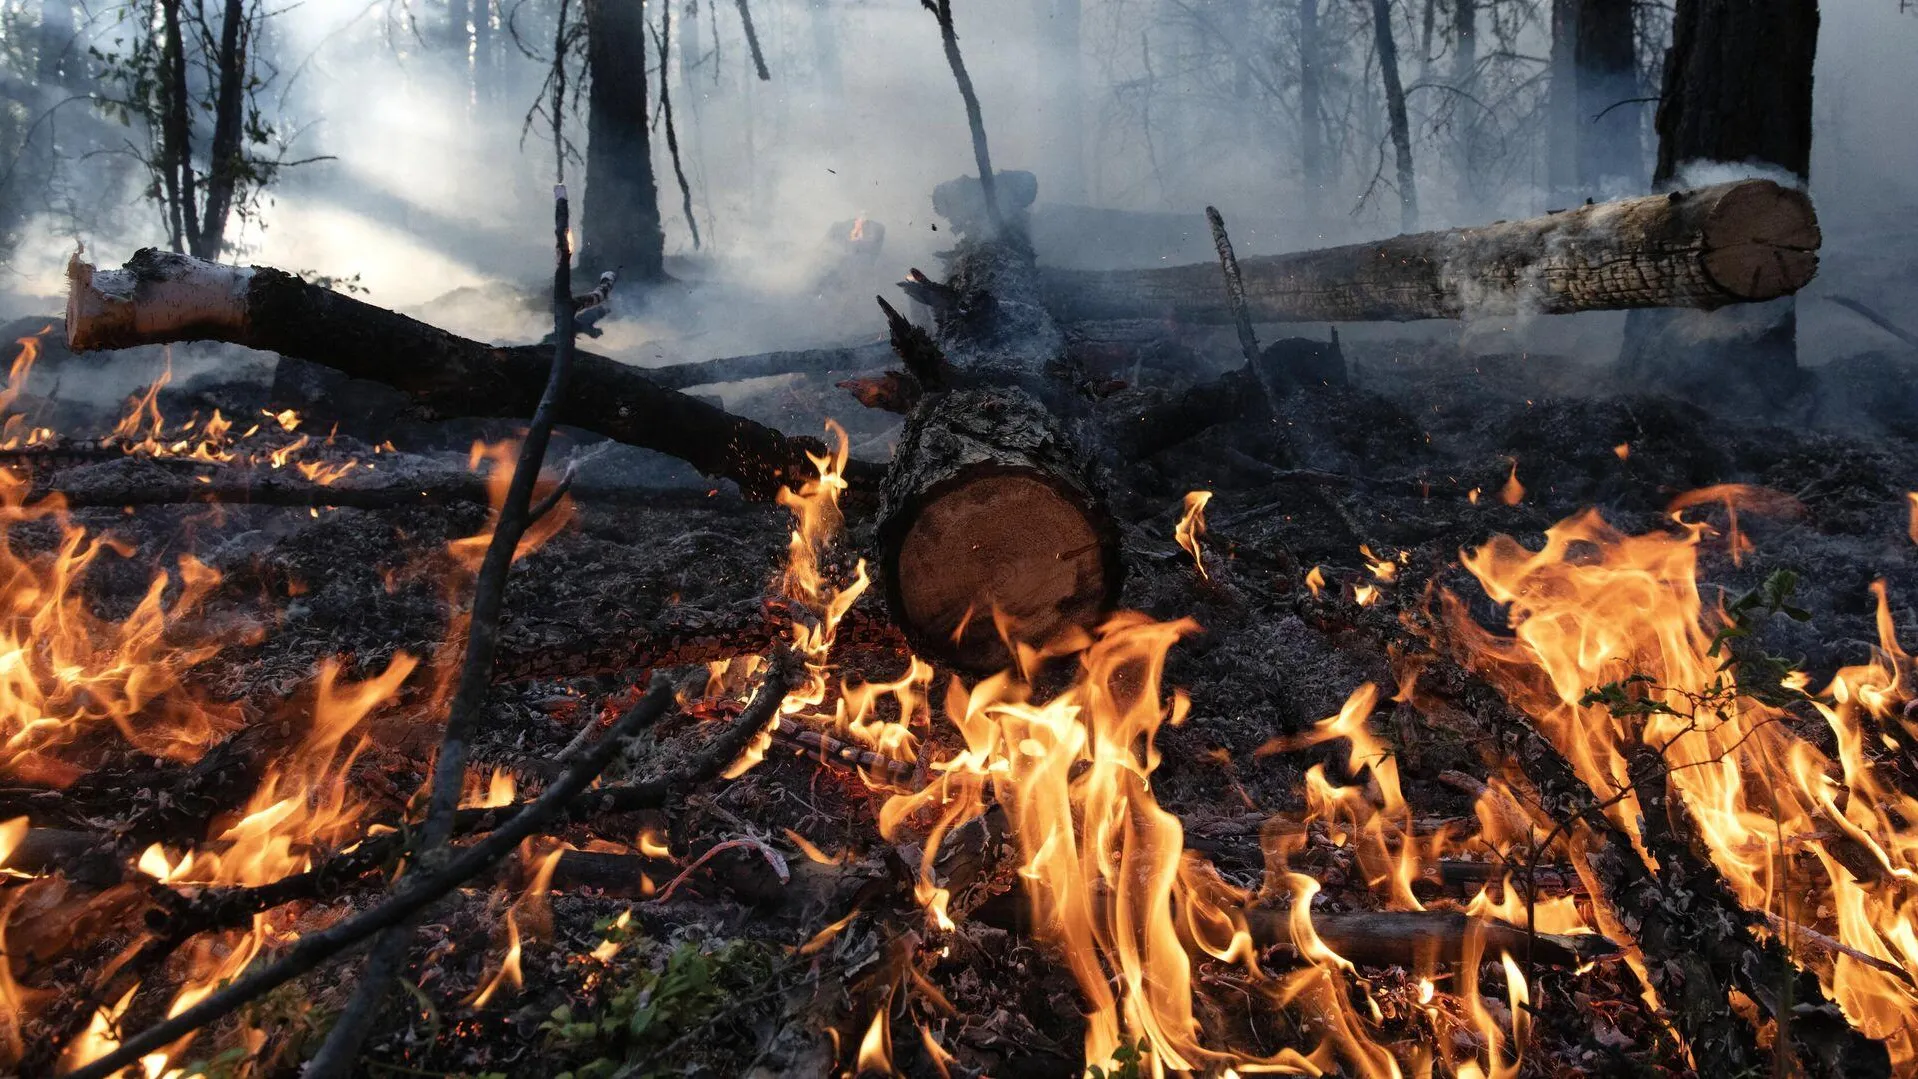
(657, 568)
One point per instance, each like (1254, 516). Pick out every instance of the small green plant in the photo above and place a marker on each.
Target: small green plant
(1128, 1062)
(1745, 671)
(646, 1014)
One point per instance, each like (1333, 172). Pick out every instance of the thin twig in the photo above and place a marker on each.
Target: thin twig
(942, 10)
(336, 1057)
(665, 42)
(414, 894)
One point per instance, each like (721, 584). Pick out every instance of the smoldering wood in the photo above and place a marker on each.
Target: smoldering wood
(1741, 242)
(1141, 425)
(991, 506)
(160, 297)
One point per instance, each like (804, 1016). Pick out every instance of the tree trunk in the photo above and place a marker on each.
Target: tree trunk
(1311, 106)
(991, 509)
(619, 224)
(176, 134)
(1061, 23)
(1737, 90)
(1465, 103)
(1734, 243)
(825, 46)
(1562, 128)
(225, 167)
(1395, 113)
(482, 49)
(59, 54)
(1610, 155)
(458, 37)
(160, 298)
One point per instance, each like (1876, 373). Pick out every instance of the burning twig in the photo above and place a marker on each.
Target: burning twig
(1411, 938)
(413, 894)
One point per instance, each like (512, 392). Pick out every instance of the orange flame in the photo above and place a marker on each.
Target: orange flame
(1513, 492)
(1780, 818)
(1192, 526)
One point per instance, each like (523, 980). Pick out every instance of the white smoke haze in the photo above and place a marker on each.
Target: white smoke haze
(435, 203)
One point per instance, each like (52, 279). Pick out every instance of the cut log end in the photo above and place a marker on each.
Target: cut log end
(991, 523)
(1761, 241)
(999, 546)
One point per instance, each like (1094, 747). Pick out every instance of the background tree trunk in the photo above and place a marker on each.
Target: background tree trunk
(1610, 155)
(1395, 113)
(1737, 89)
(59, 55)
(1311, 106)
(1465, 103)
(1060, 25)
(619, 224)
(1562, 130)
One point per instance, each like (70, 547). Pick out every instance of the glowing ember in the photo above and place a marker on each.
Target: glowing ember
(1192, 526)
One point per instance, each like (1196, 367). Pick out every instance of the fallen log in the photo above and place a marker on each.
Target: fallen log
(1740, 242)
(815, 361)
(160, 297)
(1416, 939)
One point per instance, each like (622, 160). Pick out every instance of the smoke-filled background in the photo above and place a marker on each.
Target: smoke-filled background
(419, 162)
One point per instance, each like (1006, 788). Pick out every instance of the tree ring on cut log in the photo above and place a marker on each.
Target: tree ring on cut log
(1761, 241)
(991, 506)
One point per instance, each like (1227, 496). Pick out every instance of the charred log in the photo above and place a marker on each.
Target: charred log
(1731, 243)
(160, 297)
(991, 507)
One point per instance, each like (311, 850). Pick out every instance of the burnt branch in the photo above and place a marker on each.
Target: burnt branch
(412, 895)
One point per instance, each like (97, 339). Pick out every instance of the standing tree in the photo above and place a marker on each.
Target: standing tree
(192, 84)
(1738, 91)
(1395, 113)
(1593, 145)
(619, 226)
(1312, 153)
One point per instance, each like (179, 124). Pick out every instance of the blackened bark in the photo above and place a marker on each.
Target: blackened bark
(1737, 90)
(1395, 113)
(1738, 85)
(619, 225)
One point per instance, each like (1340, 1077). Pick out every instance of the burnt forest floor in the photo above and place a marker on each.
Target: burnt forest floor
(649, 573)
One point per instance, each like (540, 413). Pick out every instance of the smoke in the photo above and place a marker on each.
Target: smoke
(1147, 110)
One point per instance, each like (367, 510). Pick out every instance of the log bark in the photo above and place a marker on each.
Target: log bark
(991, 506)
(1741, 242)
(160, 297)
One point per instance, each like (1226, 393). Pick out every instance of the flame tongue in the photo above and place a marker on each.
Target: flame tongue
(1780, 818)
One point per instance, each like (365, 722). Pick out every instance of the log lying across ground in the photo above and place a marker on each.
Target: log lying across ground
(1740, 242)
(160, 297)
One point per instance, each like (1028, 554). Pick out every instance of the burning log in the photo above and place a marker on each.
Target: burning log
(991, 509)
(1741, 242)
(160, 297)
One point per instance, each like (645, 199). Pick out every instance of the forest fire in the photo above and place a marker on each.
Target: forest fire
(1291, 649)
